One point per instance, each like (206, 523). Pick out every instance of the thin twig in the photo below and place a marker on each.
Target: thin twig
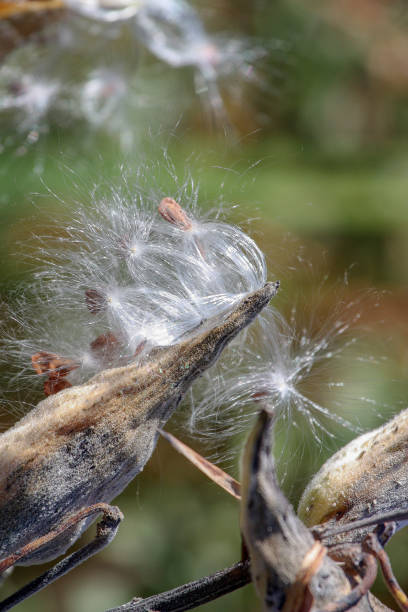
(373, 545)
(193, 594)
(321, 532)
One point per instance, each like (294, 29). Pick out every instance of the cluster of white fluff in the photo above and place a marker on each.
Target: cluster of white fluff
(27, 95)
(306, 366)
(173, 31)
(120, 278)
(275, 368)
(132, 270)
(64, 81)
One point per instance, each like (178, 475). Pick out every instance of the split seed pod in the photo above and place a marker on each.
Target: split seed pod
(86, 443)
(366, 478)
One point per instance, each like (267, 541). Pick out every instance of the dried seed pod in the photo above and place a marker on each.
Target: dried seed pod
(85, 444)
(290, 569)
(367, 477)
(145, 280)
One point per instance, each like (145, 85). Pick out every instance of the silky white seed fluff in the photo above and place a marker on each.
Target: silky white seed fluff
(60, 80)
(307, 367)
(118, 270)
(27, 95)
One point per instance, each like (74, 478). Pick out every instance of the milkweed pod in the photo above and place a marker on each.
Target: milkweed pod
(366, 477)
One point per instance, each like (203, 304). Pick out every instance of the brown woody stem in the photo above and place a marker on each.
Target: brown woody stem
(193, 594)
(373, 545)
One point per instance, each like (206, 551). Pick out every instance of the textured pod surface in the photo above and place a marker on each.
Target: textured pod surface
(86, 443)
(368, 476)
(278, 542)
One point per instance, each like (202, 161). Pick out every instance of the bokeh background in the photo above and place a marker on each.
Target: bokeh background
(309, 144)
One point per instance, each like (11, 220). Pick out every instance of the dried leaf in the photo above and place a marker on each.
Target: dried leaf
(221, 478)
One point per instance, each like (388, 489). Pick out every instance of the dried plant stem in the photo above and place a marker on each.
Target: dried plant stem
(106, 531)
(322, 531)
(193, 594)
(373, 545)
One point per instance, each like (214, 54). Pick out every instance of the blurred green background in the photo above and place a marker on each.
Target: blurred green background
(316, 154)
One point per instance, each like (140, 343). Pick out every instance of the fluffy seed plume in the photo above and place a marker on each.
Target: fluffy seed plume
(302, 366)
(125, 275)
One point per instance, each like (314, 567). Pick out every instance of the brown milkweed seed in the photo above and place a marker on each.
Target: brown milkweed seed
(172, 212)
